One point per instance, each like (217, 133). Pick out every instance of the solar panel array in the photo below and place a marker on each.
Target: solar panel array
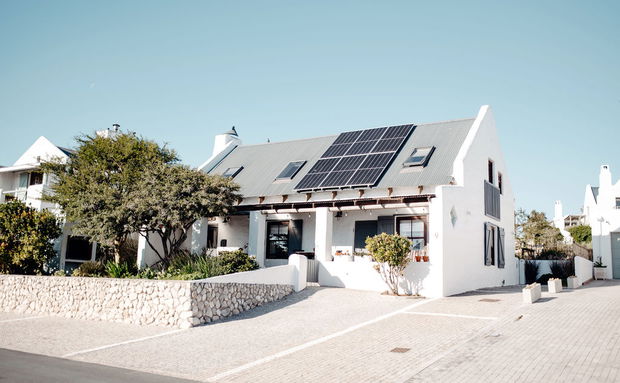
(356, 159)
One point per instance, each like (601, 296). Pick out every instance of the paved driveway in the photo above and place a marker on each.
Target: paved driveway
(339, 335)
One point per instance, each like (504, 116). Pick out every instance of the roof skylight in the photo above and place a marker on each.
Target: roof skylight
(232, 172)
(290, 170)
(419, 157)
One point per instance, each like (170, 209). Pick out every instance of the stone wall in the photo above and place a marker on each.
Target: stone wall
(140, 301)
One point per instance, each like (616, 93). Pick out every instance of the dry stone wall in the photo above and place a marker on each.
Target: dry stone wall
(179, 304)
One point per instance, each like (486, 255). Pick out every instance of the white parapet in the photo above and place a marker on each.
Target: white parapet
(531, 293)
(572, 282)
(300, 277)
(554, 285)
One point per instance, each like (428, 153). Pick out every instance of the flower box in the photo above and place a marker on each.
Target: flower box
(554, 285)
(600, 272)
(572, 282)
(531, 293)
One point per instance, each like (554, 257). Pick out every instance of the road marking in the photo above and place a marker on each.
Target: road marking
(314, 342)
(122, 343)
(451, 315)
(18, 319)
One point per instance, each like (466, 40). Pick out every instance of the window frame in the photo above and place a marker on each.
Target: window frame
(279, 177)
(421, 218)
(268, 241)
(234, 173)
(500, 182)
(491, 172)
(33, 177)
(409, 164)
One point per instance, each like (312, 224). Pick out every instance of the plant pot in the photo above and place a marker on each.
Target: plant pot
(425, 258)
(418, 258)
(343, 258)
(600, 272)
(572, 282)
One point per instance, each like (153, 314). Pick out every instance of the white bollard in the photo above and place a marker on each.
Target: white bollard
(572, 282)
(554, 285)
(531, 293)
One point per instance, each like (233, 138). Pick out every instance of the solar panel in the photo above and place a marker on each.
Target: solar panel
(355, 159)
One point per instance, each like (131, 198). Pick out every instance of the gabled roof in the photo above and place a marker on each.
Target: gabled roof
(263, 162)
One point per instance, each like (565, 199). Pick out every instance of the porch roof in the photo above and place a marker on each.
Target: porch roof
(263, 162)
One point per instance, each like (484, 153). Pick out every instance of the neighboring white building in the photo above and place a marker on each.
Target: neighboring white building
(25, 182)
(563, 222)
(601, 208)
(444, 185)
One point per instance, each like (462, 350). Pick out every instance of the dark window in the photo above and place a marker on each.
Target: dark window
(617, 203)
(23, 180)
(290, 170)
(494, 245)
(277, 240)
(500, 183)
(413, 228)
(211, 237)
(363, 230)
(36, 178)
(232, 172)
(419, 157)
(78, 248)
(491, 172)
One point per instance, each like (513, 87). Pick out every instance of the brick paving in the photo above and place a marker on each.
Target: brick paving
(337, 335)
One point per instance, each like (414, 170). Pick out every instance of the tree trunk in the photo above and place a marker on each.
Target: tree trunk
(117, 251)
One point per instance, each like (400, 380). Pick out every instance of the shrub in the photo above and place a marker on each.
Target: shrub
(544, 279)
(236, 261)
(391, 251)
(90, 269)
(553, 254)
(119, 270)
(581, 233)
(531, 271)
(26, 238)
(60, 273)
(562, 269)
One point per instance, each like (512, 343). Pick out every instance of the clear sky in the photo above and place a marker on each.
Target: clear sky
(180, 72)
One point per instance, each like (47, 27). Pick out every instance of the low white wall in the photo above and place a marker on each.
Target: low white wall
(294, 274)
(361, 275)
(583, 269)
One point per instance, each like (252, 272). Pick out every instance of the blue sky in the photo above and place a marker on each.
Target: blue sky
(180, 72)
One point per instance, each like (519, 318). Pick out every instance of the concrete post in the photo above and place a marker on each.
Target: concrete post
(142, 248)
(323, 234)
(257, 237)
(300, 277)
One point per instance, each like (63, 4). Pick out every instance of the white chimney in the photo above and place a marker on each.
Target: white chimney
(224, 139)
(110, 133)
(558, 217)
(224, 144)
(606, 198)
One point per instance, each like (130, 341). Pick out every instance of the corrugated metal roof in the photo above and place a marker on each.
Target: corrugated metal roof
(262, 163)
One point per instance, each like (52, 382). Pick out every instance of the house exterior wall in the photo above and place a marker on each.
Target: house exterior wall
(462, 243)
(603, 217)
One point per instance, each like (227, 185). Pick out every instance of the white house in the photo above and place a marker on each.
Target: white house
(25, 182)
(443, 185)
(564, 222)
(601, 208)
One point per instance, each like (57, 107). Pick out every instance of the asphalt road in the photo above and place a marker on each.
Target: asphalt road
(21, 367)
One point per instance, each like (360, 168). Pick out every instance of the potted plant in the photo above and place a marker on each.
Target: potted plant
(361, 256)
(343, 256)
(600, 270)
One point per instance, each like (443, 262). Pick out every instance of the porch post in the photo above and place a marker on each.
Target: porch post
(141, 253)
(323, 234)
(258, 236)
(198, 235)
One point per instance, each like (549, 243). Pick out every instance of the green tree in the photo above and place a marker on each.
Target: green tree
(170, 198)
(391, 251)
(26, 238)
(95, 185)
(581, 233)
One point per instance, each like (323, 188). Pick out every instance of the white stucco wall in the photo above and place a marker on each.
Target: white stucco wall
(603, 217)
(463, 243)
(583, 269)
